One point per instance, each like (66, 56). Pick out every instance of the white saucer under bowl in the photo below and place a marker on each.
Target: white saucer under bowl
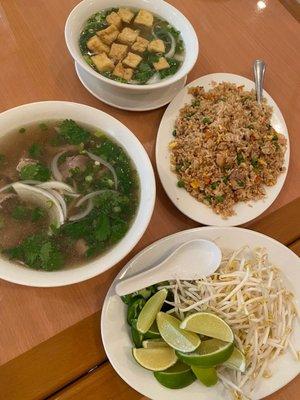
(131, 102)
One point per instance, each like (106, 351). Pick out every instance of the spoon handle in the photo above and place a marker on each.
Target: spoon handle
(259, 68)
(137, 282)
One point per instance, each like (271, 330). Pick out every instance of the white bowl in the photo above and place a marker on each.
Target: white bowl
(51, 110)
(86, 8)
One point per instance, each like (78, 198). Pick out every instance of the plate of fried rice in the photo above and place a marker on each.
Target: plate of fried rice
(222, 158)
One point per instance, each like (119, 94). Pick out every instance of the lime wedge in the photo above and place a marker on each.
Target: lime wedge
(208, 324)
(208, 376)
(236, 361)
(153, 332)
(149, 311)
(169, 328)
(210, 353)
(154, 343)
(157, 359)
(176, 377)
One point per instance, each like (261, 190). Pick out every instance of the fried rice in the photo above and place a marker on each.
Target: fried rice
(225, 150)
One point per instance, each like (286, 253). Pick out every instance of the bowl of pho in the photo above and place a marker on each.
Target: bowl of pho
(77, 192)
(138, 47)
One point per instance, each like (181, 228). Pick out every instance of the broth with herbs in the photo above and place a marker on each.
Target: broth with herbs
(131, 46)
(67, 194)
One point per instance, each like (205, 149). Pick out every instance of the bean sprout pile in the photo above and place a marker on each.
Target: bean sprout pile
(247, 292)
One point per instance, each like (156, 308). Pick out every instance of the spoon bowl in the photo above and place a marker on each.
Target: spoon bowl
(190, 261)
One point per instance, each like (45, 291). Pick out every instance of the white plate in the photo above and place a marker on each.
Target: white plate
(187, 204)
(116, 333)
(124, 100)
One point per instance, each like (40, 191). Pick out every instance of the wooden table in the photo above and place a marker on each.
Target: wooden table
(35, 66)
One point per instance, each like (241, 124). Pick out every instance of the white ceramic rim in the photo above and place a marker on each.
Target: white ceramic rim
(142, 380)
(52, 110)
(94, 93)
(187, 204)
(184, 69)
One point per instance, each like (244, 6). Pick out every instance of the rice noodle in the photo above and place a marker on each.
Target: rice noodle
(106, 164)
(248, 292)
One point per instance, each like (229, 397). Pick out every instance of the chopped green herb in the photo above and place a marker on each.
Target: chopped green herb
(20, 212)
(254, 162)
(88, 178)
(37, 214)
(143, 73)
(180, 184)
(206, 120)
(208, 198)
(174, 133)
(22, 130)
(36, 172)
(214, 185)
(275, 138)
(72, 132)
(219, 199)
(35, 150)
(225, 179)
(39, 252)
(43, 126)
(196, 103)
(241, 183)
(240, 158)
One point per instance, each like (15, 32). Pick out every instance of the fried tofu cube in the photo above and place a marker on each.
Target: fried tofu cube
(157, 46)
(144, 18)
(96, 45)
(118, 51)
(108, 35)
(126, 15)
(128, 36)
(132, 60)
(162, 63)
(140, 45)
(128, 73)
(122, 72)
(114, 19)
(103, 63)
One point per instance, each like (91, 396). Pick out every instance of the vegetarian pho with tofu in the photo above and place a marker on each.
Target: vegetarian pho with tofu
(67, 193)
(131, 46)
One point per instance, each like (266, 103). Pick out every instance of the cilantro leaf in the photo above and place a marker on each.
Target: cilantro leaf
(37, 172)
(35, 150)
(39, 252)
(73, 133)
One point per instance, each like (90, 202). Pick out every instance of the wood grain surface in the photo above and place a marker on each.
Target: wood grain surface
(35, 66)
(62, 365)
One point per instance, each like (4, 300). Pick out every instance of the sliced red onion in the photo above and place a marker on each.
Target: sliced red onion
(106, 164)
(54, 166)
(83, 213)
